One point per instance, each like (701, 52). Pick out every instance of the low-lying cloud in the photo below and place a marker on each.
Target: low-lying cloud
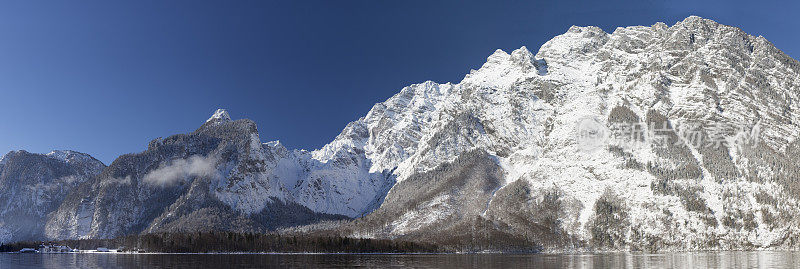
(181, 169)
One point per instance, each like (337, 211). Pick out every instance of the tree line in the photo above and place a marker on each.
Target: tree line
(221, 242)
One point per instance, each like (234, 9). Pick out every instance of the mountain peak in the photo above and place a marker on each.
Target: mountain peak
(69, 155)
(221, 115)
(498, 56)
(522, 57)
(61, 154)
(695, 22)
(694, 18)
(587, 30)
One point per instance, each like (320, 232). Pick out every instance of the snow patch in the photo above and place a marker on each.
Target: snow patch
(221, 115)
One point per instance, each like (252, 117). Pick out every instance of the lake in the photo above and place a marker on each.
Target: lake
(758, 259)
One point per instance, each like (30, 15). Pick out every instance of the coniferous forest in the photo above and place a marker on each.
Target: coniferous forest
(222, 242)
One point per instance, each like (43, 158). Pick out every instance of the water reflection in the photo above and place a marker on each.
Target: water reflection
(760, 259)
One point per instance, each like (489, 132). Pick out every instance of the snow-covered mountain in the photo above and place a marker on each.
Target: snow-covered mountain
(219, 177)
(34, 185)
(721, 103)
(660, 137)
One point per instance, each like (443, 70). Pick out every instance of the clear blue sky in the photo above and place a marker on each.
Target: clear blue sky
(105, 77)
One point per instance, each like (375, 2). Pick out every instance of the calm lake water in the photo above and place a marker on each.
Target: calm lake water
(764, 259)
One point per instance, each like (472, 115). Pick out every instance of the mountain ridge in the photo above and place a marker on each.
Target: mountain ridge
(406, 170)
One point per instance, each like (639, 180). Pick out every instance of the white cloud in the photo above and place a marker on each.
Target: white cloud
(180, 169)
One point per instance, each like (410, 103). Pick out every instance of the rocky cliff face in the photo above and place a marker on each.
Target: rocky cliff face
(34, 185)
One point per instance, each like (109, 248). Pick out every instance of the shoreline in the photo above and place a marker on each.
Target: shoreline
(416, 253)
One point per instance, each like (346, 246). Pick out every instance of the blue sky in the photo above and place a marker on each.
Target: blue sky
(105, 77)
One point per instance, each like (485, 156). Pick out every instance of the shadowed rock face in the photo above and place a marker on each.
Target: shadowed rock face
(452, 193)
(34, 185)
